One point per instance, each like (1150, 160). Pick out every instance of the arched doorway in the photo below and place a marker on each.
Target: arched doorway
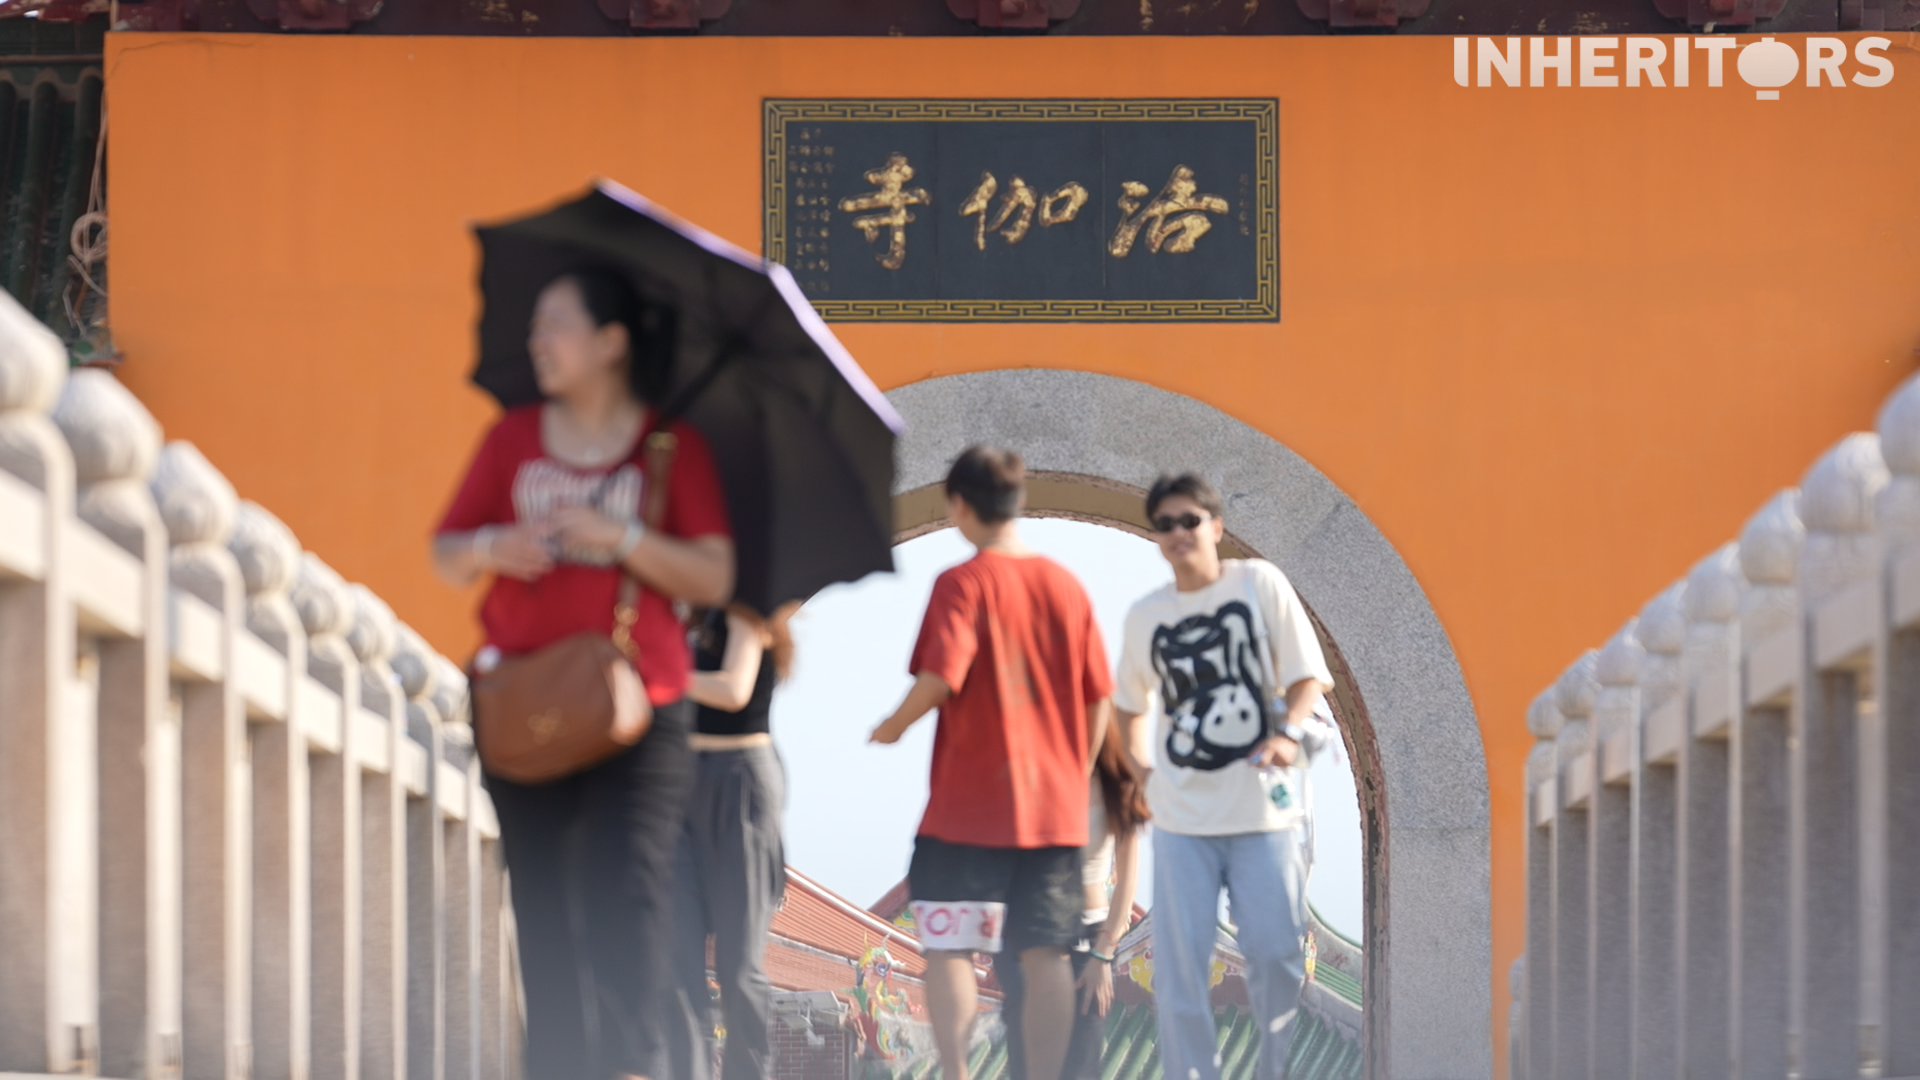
(1095, 443)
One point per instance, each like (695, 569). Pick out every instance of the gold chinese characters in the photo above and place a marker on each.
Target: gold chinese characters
(1174, 221)
(893, 198)
(1178, 217)
(1020, 198)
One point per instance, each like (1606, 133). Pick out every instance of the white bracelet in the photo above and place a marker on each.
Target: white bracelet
(629, 540)
(483, 546)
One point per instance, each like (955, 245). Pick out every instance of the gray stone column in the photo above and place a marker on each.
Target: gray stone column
(463, 912)
(426, 904)
(1610, 871)
(1660, 726)
(36, 653)
(384, 807)
(109, 854)
(1543, 722)
(1573, 882)
(114, 443)
(283, 984)
(1840, 553)
(216, 783)
(1769, 557)
(1893, 1000)
(1711, 678)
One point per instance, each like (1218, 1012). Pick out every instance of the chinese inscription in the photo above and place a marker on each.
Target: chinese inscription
(942, 210)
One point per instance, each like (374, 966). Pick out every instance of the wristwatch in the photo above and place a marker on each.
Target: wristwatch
(1294, 732)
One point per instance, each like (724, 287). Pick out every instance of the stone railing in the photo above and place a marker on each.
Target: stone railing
(243, 830)
(1723, 834)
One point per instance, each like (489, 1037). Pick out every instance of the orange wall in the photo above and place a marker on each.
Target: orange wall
(1557, 343)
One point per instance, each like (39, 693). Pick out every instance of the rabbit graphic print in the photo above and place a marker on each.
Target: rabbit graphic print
(1210, 685)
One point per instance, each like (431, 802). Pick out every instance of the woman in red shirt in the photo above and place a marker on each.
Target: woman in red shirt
(551, 507)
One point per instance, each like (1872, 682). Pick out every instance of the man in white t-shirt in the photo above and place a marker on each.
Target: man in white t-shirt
(1228, 655)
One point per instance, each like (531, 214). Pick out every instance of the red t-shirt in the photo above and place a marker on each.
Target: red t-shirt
(512, 479)
(1016, 640)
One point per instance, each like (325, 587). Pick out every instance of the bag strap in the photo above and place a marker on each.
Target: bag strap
(661, 446)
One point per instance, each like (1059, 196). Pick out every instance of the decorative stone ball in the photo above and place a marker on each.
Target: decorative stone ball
(1768, 63)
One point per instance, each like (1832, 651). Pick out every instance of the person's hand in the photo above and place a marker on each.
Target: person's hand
(582, 528)
(522, 552)
(888, 732)
(1275, 750)
(1096, 986)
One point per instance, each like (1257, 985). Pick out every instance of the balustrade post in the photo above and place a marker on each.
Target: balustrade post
(284, 862)
(1611, 871)
(1842, 592)
(1543, 805)
(426, 900)
(99, 820)
(473, 869)
(36, 656)
(1771, 659)
(1572, 863)
(1659, 730)
(1710, 668)
(216, 786)
(1891, 826)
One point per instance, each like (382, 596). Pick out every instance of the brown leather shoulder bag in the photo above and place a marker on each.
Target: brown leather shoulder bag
(549, 714)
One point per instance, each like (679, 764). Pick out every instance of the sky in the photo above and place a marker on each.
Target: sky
(852, 808)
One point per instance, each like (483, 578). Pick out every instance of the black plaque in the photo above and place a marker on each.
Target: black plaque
(1106, 210)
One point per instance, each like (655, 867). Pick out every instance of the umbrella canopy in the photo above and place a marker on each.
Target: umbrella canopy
(803, 439)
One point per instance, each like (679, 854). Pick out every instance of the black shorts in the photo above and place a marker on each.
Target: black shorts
(991, 899)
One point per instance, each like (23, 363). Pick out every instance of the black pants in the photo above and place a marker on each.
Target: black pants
(1085, 1047)
(590, 858)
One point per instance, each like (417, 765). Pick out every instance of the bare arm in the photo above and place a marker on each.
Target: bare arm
(731, 687)
(1128, 723)
(1099, 722)
(1126, 882)
(929, 692)
(699, 571)
(515, 551)
(1301, 698)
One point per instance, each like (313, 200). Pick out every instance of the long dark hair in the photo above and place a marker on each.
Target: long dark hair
(609, 297)
(1122, 789)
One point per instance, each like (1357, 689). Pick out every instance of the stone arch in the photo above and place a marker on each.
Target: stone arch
(1094, 442)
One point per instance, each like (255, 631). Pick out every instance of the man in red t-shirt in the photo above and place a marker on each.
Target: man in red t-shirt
(1010, 655)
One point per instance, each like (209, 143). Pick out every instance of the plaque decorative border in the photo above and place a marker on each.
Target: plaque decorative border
(1264, 112)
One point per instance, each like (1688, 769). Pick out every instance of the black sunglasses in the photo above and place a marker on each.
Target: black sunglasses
(1166, 523)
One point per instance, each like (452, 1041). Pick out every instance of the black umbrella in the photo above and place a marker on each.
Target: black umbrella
(803, 438)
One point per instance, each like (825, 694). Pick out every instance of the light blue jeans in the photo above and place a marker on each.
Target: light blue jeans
(1266, 882)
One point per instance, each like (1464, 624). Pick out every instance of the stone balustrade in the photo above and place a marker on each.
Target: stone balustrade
(1723, 804)
(243, 828)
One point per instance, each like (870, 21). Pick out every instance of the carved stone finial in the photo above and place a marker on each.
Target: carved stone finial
(1770, 549)
(1617, 670)
(321, 598)
(1541, 762)
(1620, 659)
(1837, 493)
(266, 550)
(374, 632)
(1575, 692)
(113, 436)
(1543, 716)
(1771, 542)
(196, 503)
(33, 363)
(115, 442)
(413, 660)
(450, 692)
(1663, 633)
(1838, 498)
(1898, 506)
(1713, 587)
